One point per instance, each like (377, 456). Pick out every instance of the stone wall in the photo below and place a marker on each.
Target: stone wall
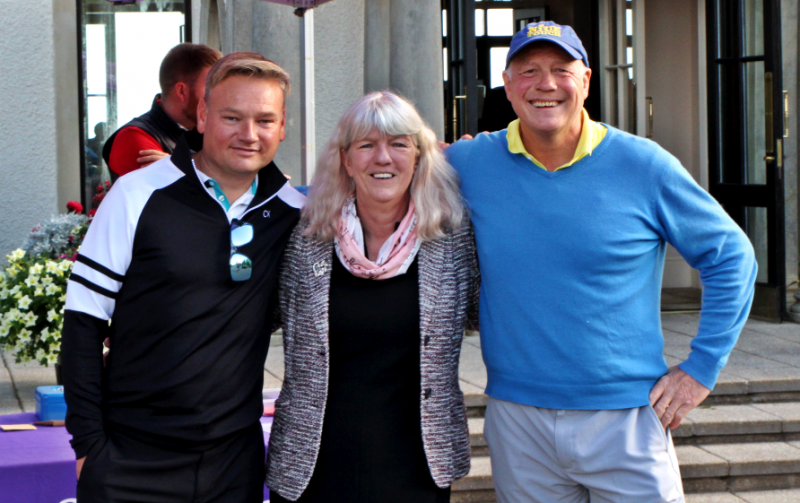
(28, 132)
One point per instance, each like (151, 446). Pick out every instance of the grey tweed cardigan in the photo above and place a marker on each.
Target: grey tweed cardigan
(448, 294)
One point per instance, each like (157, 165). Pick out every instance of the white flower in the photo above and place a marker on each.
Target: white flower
(4, 294)
(15, 290)
(24, 336)
(4, 329)
(56, 335)
(47, 280)
(16, 254)
(52, 358)
(51, 266)
(13, 315)
(24, 302)
(65, 265)
(37, 268)
(51, 316)
(38, 292)
(32, 280)
(41, 354)
(52, 289)
(30, 319)
(44, 333)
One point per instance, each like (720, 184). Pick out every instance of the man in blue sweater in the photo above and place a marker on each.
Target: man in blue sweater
(572, 219)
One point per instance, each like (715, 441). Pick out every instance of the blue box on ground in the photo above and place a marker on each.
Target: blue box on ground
(50, 404)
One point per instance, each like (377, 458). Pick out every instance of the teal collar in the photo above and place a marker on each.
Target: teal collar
(221, 197)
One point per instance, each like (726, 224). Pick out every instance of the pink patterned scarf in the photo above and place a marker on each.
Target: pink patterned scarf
(394, 257)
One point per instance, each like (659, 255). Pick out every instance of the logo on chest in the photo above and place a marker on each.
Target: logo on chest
(320, 268)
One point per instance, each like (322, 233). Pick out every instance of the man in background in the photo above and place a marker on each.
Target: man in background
(153, 135)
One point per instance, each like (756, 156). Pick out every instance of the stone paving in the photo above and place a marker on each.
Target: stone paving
(767, 357)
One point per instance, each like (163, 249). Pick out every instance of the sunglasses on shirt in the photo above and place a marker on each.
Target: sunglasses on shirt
(241, 265)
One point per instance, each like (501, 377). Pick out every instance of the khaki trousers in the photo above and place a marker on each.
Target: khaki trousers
(568, 456)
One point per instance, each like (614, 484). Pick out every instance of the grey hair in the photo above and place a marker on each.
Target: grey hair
(434, 186)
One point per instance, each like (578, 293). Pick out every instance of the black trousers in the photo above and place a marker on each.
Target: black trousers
(127, 469)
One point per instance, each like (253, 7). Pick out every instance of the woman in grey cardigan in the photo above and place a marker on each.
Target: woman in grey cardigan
(378, 282)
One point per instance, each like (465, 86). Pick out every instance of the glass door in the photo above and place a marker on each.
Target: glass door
(476, 35)
(121, 51)
(461, 86)
(745, 134)
(623, 104)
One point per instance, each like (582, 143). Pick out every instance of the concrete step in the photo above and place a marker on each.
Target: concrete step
(774, 496)
(739, 467)
(711, 468)
(758, 422)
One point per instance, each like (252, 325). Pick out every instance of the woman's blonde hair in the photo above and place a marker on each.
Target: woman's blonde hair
(434, 186)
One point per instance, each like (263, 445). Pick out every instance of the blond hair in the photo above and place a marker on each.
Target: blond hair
(434, 186)
(248, 64)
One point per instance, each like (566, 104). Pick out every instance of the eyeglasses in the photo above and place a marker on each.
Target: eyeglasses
(241, 265)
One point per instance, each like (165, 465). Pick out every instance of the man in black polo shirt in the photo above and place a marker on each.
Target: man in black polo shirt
(182, 258)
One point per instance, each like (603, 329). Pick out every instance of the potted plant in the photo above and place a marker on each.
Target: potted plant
(33, 288)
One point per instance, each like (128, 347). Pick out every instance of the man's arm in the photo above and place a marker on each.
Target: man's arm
(92, 289)
(710, 241)
(125, 151)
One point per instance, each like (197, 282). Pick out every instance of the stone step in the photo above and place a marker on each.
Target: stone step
(739, 467)
(774, 496)
(711, 468)
(758, 422)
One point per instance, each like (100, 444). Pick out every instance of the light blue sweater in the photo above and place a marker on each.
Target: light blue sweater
(571, 265)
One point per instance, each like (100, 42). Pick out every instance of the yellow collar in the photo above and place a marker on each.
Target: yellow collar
(592, 133)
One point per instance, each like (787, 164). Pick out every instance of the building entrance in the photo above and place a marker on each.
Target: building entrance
(746, 129)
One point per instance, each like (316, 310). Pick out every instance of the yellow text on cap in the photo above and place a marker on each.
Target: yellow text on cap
(554, 31)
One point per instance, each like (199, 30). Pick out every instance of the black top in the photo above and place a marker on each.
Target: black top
(188, 342)
(371, 449)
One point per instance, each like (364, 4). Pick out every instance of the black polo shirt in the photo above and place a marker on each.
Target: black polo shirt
(188, 343)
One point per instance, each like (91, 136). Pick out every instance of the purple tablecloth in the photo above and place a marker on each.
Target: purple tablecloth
(39, 466)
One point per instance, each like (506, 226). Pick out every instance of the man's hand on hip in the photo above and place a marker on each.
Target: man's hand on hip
(674, 395)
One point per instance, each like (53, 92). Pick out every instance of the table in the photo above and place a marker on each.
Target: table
(39, 466)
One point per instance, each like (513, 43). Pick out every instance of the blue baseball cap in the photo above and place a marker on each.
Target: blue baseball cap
(562, 35)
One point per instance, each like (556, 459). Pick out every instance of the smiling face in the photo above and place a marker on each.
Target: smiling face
(547, 88)
(381, 167)
(243, 123)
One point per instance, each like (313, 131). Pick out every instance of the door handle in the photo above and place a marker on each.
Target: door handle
(777, 158)
(785, 114)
